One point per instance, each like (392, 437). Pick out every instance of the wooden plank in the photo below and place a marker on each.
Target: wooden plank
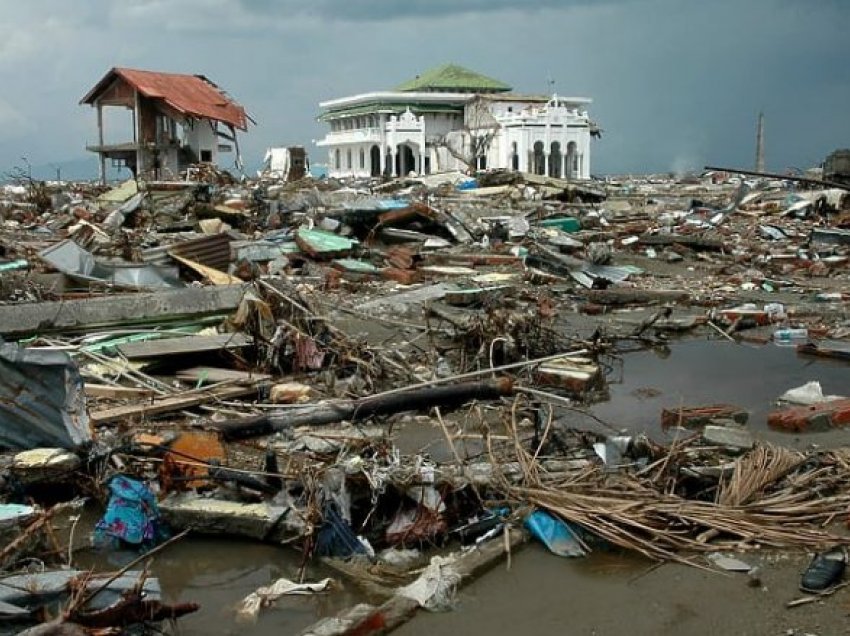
(169, 404)
(183, 345)
(215, 276)
(217, 374)
(116, 392)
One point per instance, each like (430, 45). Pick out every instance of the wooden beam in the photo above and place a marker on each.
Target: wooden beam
(116, 392)
(169, 404)
(183, 346)
(216, 374)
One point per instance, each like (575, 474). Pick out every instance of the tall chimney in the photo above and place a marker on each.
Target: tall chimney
(760, 144)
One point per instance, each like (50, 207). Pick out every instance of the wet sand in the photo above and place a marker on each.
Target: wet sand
(612, 595)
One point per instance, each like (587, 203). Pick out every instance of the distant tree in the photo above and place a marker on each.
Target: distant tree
(37, 192)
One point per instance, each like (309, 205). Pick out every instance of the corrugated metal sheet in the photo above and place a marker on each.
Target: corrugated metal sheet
(192, 95)
(212, 251)
(42, 402)
(75, 262)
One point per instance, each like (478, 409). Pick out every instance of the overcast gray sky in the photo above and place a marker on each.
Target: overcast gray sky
(675, 84)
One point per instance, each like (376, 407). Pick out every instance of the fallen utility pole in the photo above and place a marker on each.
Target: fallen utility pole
(364, 408)
(775, 175)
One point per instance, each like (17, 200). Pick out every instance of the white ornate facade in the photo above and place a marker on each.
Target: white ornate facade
(454, 119)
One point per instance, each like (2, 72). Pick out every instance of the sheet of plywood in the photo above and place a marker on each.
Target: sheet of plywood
(183, 345)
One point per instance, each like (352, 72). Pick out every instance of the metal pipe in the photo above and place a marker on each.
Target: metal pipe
(773, 175)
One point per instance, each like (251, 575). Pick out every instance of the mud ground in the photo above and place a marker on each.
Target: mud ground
(614, 594)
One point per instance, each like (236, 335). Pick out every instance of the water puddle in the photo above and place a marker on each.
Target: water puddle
(702, 372)
(219, 572)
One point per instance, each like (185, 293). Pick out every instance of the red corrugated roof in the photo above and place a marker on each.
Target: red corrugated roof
(191, 95)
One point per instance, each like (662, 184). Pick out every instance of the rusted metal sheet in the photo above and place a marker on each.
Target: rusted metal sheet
(192, 95)
(403, 276)
(405, 215)
(212, 251)
(400, 257)
(188, 458)
(42, 401)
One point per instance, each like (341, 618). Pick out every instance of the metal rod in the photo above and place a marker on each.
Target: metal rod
(774, 175)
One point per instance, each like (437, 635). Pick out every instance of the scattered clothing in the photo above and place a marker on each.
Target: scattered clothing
(131, 517)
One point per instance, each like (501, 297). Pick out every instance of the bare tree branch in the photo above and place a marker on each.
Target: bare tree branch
(474, 139)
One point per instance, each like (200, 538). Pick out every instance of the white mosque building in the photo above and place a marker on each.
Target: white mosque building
(451, 118)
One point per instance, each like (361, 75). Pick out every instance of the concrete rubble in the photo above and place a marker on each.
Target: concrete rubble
(257, 350)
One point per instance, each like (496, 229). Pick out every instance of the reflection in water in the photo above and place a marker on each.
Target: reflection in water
(713, 372)
(218, 573)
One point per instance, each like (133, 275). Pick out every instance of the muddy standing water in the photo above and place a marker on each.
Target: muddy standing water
(607, 593)
(717, 372)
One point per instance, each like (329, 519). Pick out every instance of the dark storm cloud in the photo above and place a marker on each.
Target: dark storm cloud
(676, 84)
(381, 10)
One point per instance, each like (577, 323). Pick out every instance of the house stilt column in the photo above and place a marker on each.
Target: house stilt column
(101, 157)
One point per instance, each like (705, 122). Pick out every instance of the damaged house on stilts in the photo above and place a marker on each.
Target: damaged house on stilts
(176, 120)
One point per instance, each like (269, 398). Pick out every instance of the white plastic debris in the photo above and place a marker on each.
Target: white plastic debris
(730, 564)
(250, 606)
(399, 557)
(808, 394)
(775, 311)
(436, 587)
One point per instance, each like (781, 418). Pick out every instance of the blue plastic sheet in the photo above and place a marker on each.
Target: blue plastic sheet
(555, 534)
